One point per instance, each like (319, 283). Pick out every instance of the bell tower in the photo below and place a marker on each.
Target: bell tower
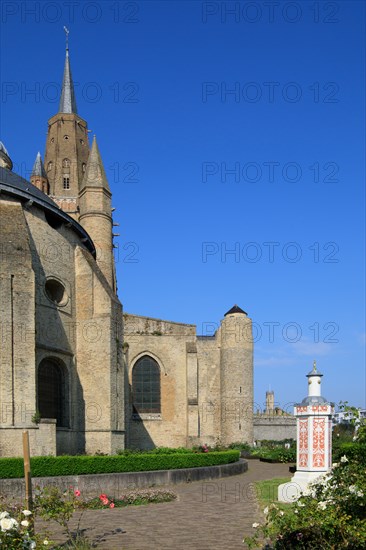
(67, 147)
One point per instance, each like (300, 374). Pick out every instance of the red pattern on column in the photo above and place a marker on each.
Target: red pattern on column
(303, 443)
(329, 444)
(319, 442)
(319, 408)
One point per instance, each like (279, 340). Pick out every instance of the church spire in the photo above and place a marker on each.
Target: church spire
(67, 101)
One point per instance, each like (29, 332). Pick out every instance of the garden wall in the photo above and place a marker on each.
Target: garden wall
(115, 484)
(274, 427)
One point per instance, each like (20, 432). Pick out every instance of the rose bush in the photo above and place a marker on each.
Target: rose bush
(139, 496)
(16, 530)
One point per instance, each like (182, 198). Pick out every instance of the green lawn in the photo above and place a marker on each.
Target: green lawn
(267, 491)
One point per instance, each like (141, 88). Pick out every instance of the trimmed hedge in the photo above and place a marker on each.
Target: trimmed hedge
(156, 451)
(353, 451)
(49, 466)
(274, 455)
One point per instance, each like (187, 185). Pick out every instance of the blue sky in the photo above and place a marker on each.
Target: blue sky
(220, 132)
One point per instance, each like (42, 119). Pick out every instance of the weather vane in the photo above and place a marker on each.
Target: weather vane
(67, 37)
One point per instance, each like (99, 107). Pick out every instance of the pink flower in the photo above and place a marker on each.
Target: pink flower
(103, 496)
(105, 501)
(77, 493)
(111, 505)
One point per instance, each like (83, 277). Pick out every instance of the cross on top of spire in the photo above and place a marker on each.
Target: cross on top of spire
(67, 37)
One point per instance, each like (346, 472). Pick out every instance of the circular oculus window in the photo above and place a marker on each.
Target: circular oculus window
(56, 292)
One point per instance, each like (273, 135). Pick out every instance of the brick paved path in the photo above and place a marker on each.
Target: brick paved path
(209, 515)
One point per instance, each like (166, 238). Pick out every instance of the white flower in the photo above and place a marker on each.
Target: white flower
(296, 511)
(32, 545)
(344, 458)
(4, 515)
(335, 464)
(322, 505)
(45, 542)
(352, 489)
(360, 493)
(25, 523)
(265, 511)
(281, 513)
(27, 513)
(8, 523)
(255, 525)
(324, 480)
(300, 504)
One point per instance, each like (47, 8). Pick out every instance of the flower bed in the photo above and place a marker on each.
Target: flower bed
(17, 531)
(275, 455)
(330, 514)
(130, 498)
(49, 466)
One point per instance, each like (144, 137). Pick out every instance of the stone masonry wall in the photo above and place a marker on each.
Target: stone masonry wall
(166, 343)
(17, 315)
(274, 427)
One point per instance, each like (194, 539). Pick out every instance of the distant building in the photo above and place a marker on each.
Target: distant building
(346, 417)
(274, 424)
(269, 402)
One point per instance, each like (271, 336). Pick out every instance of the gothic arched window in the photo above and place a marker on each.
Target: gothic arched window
(146, 386)
(52, 391)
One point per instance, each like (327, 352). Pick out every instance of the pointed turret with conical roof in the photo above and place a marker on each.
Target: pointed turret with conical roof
(96, 212)
(94, 173)
(39, 177)
(235, 309)
(67, 147)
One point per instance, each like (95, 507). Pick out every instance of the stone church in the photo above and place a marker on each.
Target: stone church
(77, 373)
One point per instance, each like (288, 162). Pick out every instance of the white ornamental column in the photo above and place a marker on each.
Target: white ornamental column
(314, 439)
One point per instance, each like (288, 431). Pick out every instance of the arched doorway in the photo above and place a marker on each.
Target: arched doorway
(52, 391)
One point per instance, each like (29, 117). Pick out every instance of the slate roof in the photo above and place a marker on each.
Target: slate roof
(235, 309)
(14, 185)
(67, 101)
(38, 168)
